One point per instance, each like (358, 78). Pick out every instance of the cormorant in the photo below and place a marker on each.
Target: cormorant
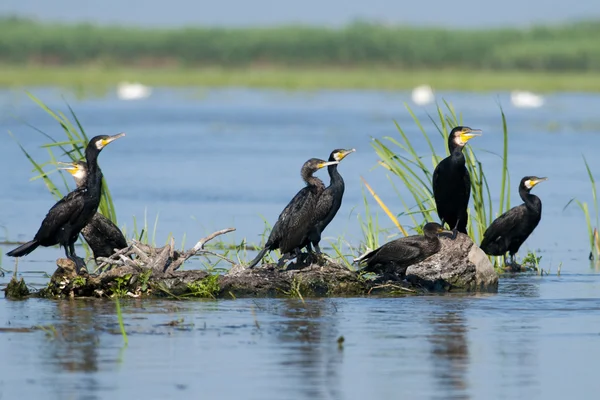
(69, 215)
(298, 217)
(399, 254)
(329, 202)
(100, 233)
(451, 181)
(508, 232)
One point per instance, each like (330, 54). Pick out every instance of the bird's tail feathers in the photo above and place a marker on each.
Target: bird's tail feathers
(24, 249)
(259, 257)
(363, 256)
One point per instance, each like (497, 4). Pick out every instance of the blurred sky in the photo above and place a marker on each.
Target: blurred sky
(459, 13)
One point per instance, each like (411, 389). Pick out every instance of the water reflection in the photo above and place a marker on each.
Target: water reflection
(309, 332)
(76, 339)
(450, 352)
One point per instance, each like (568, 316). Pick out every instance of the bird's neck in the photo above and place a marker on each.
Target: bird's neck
(531, 201)
(313, 181)
(456, 155)
(94, 176)
(334, 176)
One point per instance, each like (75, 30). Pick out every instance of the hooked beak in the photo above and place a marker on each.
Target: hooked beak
(465, 136)
(340, 155)
(113, 138)
(538, 180)
(325, 164)
(65, 165)
(445, 232)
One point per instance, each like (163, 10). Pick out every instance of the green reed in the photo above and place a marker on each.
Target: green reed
(70, 146)
(414, 172)
(592, 226)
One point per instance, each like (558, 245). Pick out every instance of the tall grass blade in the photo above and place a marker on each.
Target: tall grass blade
(384, 207)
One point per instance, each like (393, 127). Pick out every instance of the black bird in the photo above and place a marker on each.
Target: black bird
(451, 181)
(399, 254)
(329, 202)
(100, 233)
(73, 212)
(508, 232)
(295, 221)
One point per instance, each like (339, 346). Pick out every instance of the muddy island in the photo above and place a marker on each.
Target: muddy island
(142, 270)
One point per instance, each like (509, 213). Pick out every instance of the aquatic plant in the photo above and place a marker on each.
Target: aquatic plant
(121, 323)
(414, 171)
(72, 145)
(566, 47)
(207, 287)
(592, 223)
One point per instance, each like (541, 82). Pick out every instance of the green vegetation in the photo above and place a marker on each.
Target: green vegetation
(396, 154)
(206, 288)
(92, 80)
(592, 223)
(72, 146)
(122, 286)
(121, 323)
(415, 171)
(549, 48)
(360, 55)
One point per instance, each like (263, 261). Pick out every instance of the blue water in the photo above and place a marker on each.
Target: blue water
(206, 159)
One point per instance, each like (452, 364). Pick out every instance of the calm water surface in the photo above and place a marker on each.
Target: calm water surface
(208, 159)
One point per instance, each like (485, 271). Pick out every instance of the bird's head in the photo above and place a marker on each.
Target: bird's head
(462, 134)
(77, 168)
(339, 154)
(529, 182)
(315, 164)
(432, 229)
(101, 141)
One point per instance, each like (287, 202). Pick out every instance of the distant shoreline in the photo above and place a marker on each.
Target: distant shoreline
(299, 78)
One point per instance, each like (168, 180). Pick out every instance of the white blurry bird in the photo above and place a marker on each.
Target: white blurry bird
(132, 91)
(523, 99)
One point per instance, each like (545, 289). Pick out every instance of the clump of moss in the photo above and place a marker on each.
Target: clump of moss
(16, 289)
(206, 288)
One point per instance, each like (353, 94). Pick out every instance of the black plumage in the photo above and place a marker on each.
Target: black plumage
(510, 230)
(295, 221)
(101, 234)
(73, 212)
(329, 201)
(451, 182)
(397, 255)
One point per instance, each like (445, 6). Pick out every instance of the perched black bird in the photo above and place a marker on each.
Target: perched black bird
(100, 233)
(451, 181)
(399, 254)
(329, 202)
(73, 212)
(508, 232)
(295, 221)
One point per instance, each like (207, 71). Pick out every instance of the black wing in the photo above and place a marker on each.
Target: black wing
(397, 251)
(326, 209)
(109, 231)
(467, 184)
(284, 221)
(64, 211)
(503, 225)
(435, 182)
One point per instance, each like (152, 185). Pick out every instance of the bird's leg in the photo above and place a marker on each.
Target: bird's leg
(79, 262)
(317, 248)
(283, 259)
(309, 248)
(454, 230)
